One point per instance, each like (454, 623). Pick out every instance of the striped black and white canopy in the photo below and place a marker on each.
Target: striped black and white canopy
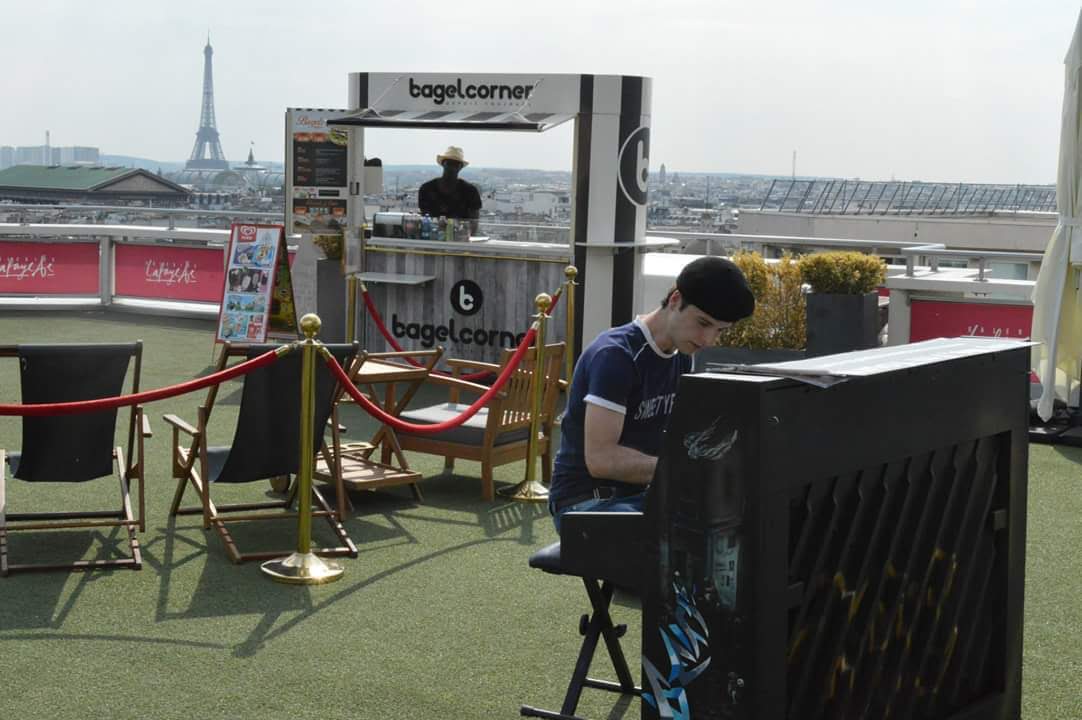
(451, 120)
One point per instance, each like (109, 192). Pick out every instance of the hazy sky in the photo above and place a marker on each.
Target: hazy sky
(945, 90)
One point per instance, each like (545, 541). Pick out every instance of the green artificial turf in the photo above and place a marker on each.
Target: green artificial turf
(439, 616)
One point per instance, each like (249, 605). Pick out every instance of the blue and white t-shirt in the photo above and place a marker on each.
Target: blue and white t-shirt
(622, 370)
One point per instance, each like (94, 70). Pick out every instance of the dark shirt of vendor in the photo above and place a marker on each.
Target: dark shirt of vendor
(448, 195)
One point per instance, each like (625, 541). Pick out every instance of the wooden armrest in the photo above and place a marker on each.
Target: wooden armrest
(146, 426)
(564, 384)
(179, 424)
(399, 354)
(473, 364)
(460, 384)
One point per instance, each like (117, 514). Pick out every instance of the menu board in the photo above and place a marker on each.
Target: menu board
(317, 172)
(317, 215)
(319, 159)
(256, 278)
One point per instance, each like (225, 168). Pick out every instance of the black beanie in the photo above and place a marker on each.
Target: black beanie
(717, 287)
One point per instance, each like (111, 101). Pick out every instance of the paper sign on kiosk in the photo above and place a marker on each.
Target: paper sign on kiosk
(257, 295)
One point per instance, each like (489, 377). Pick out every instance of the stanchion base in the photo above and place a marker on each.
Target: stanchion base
(302, 569)
(526, 491)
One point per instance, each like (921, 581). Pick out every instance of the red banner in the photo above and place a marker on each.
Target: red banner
(933, 319)
(32, 268)
(169, 273)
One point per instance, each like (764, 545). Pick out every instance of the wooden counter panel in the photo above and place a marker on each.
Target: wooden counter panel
(424, 316)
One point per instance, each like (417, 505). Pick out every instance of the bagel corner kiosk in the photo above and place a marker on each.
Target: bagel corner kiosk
(474, 295)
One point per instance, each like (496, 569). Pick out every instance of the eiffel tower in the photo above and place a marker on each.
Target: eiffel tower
(207, 153)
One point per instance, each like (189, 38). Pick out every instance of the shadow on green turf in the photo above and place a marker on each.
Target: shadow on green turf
(45, 602)
(459, 494)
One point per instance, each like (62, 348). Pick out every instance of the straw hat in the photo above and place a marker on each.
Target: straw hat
(452, 153)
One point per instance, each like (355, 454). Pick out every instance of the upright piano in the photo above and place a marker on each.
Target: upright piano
(834, 538)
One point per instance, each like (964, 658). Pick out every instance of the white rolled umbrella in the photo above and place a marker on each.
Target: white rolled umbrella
(1057, 301)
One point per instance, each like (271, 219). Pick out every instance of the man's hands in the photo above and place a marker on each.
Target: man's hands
(605, 457)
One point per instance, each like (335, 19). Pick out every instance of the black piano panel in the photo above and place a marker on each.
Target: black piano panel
(841, 553)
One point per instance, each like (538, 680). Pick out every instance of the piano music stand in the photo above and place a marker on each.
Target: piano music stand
(592, 627)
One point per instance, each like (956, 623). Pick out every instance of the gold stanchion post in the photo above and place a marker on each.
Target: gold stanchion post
(351, 308)
(305, 567)
(570, 273)
(530, 489)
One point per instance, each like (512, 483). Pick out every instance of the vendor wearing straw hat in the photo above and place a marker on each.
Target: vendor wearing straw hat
(449, 195)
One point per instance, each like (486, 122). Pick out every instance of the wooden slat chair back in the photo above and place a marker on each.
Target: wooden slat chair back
(265, 446)
(499, 434)
(76, 448)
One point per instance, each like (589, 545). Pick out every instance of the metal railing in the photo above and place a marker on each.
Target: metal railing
(108, 238)
(936, 252)
(925, 254)
(168, 213)
(860, 197)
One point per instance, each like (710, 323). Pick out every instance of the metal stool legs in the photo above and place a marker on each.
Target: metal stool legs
(593, 628)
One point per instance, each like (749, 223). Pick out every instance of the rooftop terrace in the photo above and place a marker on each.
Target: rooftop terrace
(439, 617)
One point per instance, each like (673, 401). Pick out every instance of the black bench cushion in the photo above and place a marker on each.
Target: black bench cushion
(471, 432)
(548, 559)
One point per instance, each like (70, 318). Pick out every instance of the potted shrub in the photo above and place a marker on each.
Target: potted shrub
(843, 305)
(775, 332)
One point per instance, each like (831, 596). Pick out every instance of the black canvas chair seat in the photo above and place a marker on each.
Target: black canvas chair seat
(593, 627)
(76, 448)
(265, 444)
(216, 457)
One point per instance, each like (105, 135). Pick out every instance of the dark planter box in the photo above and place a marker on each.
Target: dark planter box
(331, 300)
(714, 358)
(840, 323)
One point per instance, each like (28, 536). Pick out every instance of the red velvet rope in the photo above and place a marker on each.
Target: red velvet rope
(378, 319)
(83, 406)
(381, 415)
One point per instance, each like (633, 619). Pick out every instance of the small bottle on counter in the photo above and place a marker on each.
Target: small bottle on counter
(426, 227)
(449, 234)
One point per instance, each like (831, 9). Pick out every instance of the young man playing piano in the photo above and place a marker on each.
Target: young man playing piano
(624, 387)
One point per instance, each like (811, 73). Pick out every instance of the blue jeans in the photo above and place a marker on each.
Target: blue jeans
(629, 503)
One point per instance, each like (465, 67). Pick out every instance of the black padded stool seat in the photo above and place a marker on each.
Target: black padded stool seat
(548, 559)
(593, 628)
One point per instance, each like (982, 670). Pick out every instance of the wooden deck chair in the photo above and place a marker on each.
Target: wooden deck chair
(352, 461)
(76, 448)
(265, 445)
(499, 432)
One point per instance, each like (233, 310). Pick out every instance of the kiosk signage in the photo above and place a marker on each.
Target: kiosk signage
(49, 268)
(151, 271)
(317, 172)
(257, 295)
(611, 115)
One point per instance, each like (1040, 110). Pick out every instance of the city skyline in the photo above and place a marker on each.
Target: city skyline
(962, 91)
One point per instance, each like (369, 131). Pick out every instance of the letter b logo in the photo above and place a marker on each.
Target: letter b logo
(634, 165)
(466, 297)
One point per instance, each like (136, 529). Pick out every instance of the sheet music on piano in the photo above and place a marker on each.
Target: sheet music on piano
(828, 370)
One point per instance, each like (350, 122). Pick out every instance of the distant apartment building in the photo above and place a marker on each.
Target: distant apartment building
(48, 155)
(32, 155)
(544, 203)
(78, 154)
